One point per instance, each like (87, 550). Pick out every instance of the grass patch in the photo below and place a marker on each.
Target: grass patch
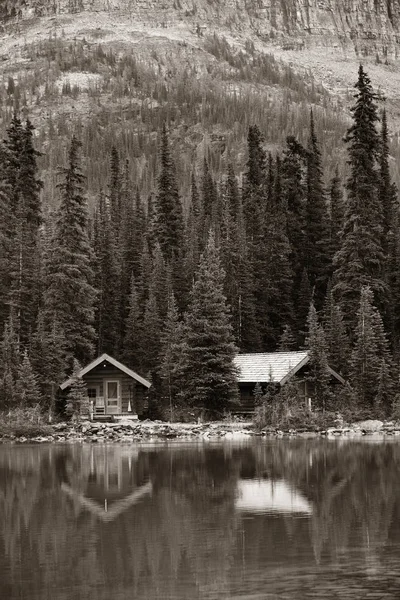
(24, 422)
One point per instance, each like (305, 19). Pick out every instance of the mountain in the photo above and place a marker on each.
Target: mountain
(114, 70)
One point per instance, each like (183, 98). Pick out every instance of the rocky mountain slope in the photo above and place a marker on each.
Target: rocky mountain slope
(270, 60)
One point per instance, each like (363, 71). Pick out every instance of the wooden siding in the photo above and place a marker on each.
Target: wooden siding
(130, 389)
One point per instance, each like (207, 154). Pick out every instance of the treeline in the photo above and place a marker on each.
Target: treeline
(278, 261)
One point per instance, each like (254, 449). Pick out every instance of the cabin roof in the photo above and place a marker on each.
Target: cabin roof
(277, 367)
(115, 363)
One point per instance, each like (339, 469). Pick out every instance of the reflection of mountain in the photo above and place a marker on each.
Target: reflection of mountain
(201, 522)
(258, 496)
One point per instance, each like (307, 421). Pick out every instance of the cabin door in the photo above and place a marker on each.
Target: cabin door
(112, 396)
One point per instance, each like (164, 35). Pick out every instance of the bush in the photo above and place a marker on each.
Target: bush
(26, 422)
(287, 410)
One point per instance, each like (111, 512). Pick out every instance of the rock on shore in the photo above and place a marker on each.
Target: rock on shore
(150, 431)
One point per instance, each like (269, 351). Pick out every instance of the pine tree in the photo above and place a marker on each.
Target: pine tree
(77, 399)
(387, 191)
(47, 355)
(337, 212)
(151, 333)
(337, 339)
(27, 391)
(168, 207)
(107, 275)
(22, 222)
(319, 374)
(208, 371)
(170, 354)
(294, 190)
(10, 352)
(276, 308)
(132, 347)
(302, 302)
(369, 353)
(70, 295)
(287, 340)
(361, 259)
(317, 234)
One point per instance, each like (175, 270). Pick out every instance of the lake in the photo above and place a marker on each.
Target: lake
(280, 519)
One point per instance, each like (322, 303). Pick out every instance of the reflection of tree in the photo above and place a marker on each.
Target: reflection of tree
(177, 540)
(186, 540)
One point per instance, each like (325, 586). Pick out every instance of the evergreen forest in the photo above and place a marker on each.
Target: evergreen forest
(284, 254)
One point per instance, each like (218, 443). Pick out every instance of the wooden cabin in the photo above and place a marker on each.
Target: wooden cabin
(113, 389)
(274, 369)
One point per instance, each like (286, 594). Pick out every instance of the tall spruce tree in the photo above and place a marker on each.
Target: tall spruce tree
(107, 271)
(168, 207)
(133, 344)
(207, 367)
(319, 374)
(70, 295)
(24, 221)
(10, 354)
(169, 356)
(370, 355)
(27, 391)
(337, 212)
(47, 355)
(360, 260)
(317, 234)
(294, 190)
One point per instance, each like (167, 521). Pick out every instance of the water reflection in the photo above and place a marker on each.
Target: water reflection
(292, 519)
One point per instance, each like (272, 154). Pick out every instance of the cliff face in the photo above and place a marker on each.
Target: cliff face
(367, 25)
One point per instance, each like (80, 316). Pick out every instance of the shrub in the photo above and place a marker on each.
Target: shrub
(25, 421)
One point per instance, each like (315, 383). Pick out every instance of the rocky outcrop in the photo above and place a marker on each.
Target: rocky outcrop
(367, 25)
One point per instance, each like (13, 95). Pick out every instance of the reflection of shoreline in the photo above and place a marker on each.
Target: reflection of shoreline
(266, 496)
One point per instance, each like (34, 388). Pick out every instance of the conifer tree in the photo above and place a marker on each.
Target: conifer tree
(133, 343)
(10, 353)
(294, 190)
(319, 374)
(337, 212)
(168, 207)
(170, 355)
(303, 299)
(317, 234)
(24, 195)
(70, 295)
(277, 279)
(360, 260)
(207, 368)
(27, 391)
(108, 301)
(150, 340)
(77, 399)
(287, 340)
(337, 339)
(115, 191)
(47, 355)
(387, 190)
(369, 353)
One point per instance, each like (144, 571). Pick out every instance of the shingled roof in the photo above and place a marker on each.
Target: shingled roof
(267, 367)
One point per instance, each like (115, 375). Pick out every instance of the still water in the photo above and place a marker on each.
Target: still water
(284, 519)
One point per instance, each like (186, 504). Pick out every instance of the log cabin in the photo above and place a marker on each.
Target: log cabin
(274, 369)
(113, 389)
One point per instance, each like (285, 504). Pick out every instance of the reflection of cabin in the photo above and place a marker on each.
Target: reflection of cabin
(109, 482)
(274, 369)
(113, 388)
(266, 496)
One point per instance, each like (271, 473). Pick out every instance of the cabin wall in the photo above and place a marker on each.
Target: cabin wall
(130, 389)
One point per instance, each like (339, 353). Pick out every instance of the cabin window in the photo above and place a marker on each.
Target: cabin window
(91, 392)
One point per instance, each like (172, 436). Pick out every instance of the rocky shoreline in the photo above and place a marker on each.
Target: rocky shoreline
(153, 431)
